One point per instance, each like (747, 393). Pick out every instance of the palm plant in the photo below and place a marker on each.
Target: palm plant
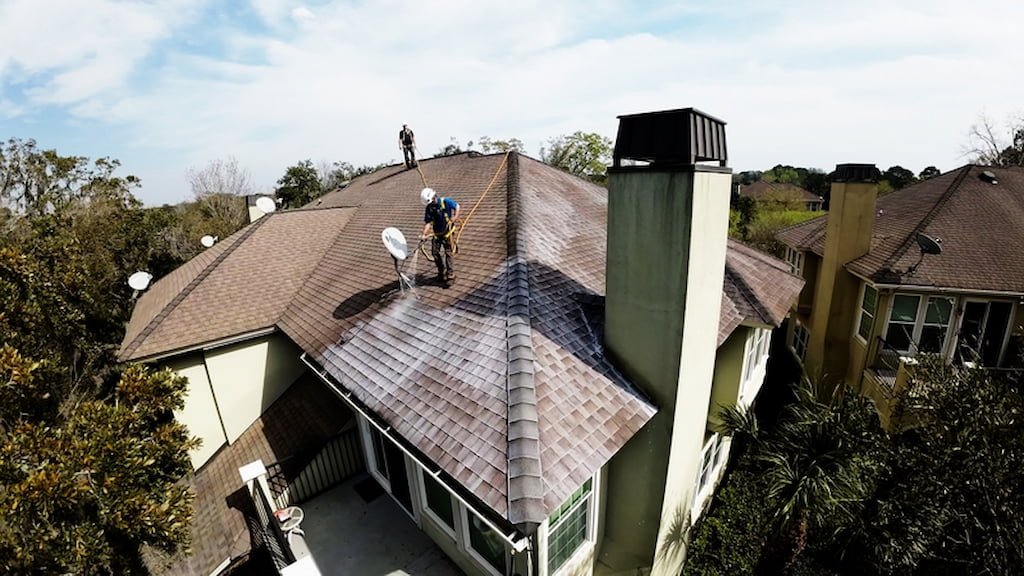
(815, 465)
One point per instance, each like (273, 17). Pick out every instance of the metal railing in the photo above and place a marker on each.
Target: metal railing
(268, 532)
(887, 361)
(302, 476)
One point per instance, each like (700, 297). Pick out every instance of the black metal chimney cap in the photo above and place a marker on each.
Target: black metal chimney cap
(670, 137)
(855, 173)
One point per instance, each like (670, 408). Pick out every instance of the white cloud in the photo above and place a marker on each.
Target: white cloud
(804, 83)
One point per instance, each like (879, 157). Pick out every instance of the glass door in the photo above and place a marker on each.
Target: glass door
(983, 332)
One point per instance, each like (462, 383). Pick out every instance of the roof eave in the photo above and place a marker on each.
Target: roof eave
(202, 346)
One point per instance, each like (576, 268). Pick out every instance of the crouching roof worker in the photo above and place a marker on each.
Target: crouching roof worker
(439, 219)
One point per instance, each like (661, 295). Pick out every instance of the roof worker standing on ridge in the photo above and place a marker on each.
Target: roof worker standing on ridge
(439, 219)
(407, 144)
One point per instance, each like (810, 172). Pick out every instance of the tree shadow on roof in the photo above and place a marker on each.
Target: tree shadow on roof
(360, 301)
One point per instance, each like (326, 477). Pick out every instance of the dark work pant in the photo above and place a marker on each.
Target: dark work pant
(410, 156)
(443, 261)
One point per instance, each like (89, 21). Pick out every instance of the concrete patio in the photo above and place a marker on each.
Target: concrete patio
(347, 535)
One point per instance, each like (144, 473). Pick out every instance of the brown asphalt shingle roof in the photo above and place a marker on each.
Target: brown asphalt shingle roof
(240, 285)
(981, 226)
(500, 379)
(758, 288)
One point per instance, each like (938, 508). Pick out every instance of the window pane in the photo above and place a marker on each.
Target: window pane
(865, 326)
(378, 453)
(900, 336)
(486, 543)
(439, 501)
(932, 338)
(938, 311)
(567, 527)
(870, 300)
(904, 308)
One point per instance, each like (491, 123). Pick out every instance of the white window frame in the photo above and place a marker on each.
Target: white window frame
(461, 517)
(590, 536)
(801, 339)
(371, 453)
(713, 457)
(861, 312)
(921, 313)
(795, 259)
(954, 339)
(466, 545)
(756, 350)
(451, 531)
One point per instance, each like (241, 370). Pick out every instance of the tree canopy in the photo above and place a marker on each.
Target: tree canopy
(585, 154)
(989, 146)
(300, 185)
(90, 456)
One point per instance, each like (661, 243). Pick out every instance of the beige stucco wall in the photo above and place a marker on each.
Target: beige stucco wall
(847, 236)
(231, 386)
(200, 413)
(666, 257)
(248, 377)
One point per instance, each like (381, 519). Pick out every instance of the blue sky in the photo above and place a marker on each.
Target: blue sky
(170, 85)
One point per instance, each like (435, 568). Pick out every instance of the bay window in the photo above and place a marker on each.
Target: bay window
(918, 324)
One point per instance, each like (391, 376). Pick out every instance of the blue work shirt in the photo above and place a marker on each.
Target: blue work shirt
(440, 214)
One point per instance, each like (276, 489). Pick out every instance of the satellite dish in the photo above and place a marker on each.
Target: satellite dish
(929, 245)
(394, 241)
(140, 280)
(266, 204)
(208, 240)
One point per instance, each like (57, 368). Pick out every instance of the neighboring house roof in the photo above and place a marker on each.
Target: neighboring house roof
(981, 226)
(499, 379)
(758, 289)
(764, 190)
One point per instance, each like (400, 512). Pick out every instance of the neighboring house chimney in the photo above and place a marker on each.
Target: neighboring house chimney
(851, 220)
(667, 227)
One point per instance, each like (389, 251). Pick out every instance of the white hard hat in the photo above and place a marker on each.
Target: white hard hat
(427, 195)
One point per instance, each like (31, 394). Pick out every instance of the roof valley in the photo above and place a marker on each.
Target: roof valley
(170, 306)
(525, 483)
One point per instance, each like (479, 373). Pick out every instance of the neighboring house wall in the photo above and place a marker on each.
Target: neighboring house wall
(231, 386)
(656, 330)
(848, 236)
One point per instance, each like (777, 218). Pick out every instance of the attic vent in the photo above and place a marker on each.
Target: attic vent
(988, 176)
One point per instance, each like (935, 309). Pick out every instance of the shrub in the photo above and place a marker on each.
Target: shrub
(728, 540)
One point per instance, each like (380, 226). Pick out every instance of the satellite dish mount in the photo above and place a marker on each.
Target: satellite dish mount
(928, 245)
(395, 243)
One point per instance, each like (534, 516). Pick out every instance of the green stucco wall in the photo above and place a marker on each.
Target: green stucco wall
(666, 257)
(725, 389)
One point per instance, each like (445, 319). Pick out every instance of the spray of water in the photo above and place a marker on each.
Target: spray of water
(411, 268)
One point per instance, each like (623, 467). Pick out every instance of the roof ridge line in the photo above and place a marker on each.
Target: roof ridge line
(189, 288)
(525, 482)
(911, 239)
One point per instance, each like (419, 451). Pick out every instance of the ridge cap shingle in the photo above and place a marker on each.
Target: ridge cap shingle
(525, 481)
